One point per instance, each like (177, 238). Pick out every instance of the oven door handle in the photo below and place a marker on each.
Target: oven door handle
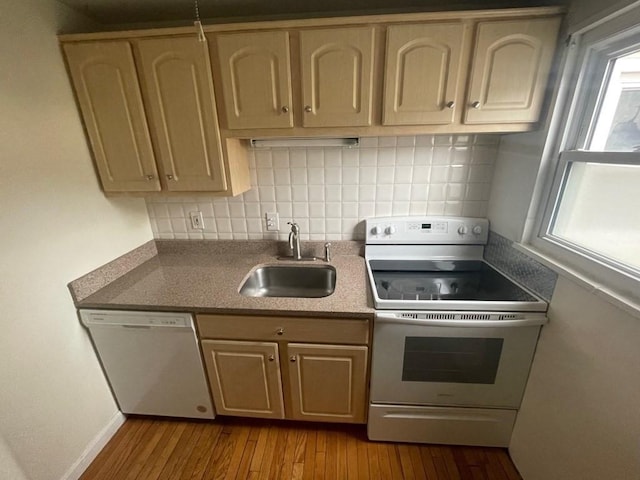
(523, 322)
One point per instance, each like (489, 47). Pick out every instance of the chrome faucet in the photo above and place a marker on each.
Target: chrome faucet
(294, 244)
(294, 240)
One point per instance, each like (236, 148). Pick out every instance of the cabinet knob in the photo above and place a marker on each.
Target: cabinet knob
(450, 104)
(285, 109)
(271, 358)
(308, 109)
(150, 177)
(476, 104)
(169, 177)
(280, 331)
(292, 358)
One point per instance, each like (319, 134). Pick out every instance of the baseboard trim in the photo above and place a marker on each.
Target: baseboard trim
(94, 447)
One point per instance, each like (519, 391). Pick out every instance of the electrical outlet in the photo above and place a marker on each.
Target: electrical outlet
(197, 222)
(272, 220)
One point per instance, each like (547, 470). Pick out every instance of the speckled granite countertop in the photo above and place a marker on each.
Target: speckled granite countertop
(201, 279)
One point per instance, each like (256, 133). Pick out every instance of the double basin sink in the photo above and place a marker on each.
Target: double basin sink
(303, 281)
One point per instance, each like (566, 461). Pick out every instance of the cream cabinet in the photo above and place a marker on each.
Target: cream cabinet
(149, 109)
(106, 83)
(423, 73)
(334, 82)
(317, 368)
(255, 77)
(178, 92)
(244, 378)
(336, 68)
(406, 74)
(327, 381)
(509, 69)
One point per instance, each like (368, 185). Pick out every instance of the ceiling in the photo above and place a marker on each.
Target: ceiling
(112, 12)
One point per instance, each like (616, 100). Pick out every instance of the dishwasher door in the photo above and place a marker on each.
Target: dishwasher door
(152, 361)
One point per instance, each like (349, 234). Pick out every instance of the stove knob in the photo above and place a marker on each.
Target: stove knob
(462, 229)
(390, 230)
(376, 230)
(477, 230)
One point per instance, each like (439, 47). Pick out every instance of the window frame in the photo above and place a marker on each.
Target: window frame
(581, 90)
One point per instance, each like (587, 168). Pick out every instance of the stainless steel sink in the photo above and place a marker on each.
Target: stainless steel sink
(307, 281)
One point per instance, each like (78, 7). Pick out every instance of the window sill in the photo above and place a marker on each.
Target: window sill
(625, 303)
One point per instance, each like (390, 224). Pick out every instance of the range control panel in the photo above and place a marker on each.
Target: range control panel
(427, 230)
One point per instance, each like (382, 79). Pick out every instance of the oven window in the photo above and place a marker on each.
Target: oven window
(451, 360)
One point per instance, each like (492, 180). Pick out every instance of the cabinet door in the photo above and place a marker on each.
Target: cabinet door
(256, 79)
(328, 382)
(179, 95)
(337, 76)
(422, 73)
(106, 84)
(510, 68)
(244, 378)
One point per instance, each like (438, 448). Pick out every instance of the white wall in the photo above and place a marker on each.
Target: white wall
(579, 419)
(516, 169)
(329, 191)
(55, 225)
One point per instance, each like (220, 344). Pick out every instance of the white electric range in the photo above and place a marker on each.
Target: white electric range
(453, 338)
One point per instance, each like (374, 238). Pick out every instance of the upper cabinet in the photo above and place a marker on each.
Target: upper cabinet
(422, 73)
(336, 67)
(509, 70)
(506, 75)
(256, 79)
(178, 92)
(106, 83)
(164, 110)
(150, 114)
(334, 84)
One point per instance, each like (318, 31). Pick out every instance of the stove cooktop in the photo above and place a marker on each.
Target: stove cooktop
(437, 263)
(461, 280)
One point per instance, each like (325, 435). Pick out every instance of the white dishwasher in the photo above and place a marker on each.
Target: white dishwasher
(152, 361)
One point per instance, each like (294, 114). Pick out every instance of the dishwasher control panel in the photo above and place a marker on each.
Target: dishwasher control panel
(135, 319)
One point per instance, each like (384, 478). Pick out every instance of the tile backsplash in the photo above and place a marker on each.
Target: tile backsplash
(329, 191)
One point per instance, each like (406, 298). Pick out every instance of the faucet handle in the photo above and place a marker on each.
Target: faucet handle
(295, 228)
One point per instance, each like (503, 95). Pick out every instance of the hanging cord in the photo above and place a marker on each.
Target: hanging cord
(198, 24)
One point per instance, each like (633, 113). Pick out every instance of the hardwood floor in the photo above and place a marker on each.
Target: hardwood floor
(235, 448)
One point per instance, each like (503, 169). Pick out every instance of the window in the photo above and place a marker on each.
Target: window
(598, 211)
(592, 218)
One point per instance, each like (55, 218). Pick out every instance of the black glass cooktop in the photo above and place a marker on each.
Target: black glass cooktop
(462, 280)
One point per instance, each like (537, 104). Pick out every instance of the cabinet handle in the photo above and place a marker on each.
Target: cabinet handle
(285, 109)
(271, 358)
(451, 104)
(308, 109)
(476, 104)
(150, 177)
(169, 177)
(292, 358)
(280, 331)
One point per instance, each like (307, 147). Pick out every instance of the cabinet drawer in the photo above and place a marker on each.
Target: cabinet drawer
(320, 330)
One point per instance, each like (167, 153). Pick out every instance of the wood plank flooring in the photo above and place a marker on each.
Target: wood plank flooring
(236, 448)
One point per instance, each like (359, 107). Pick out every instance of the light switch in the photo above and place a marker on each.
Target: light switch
(272, 220)
(197, 222)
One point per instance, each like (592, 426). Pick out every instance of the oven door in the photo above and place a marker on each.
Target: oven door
(440, 362)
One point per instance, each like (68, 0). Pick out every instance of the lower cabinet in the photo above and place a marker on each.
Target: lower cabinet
(327, 382)
(287, 376)
(244, 378)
